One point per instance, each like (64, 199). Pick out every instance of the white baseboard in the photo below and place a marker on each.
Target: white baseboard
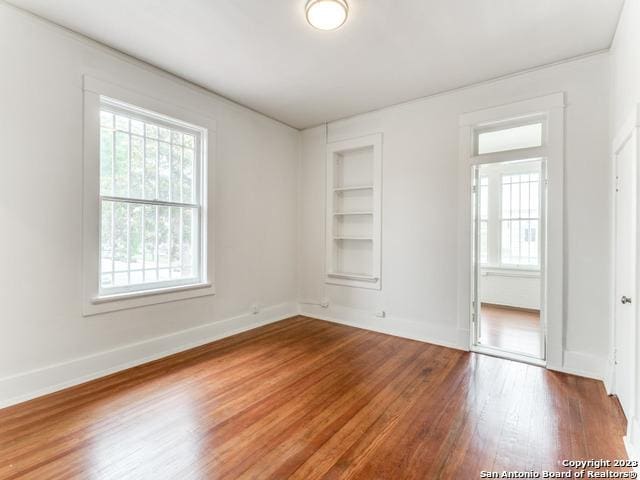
(27, 385)
(400, 327)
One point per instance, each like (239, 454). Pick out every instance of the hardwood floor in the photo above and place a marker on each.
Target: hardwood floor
(308, 399)
(511, 329)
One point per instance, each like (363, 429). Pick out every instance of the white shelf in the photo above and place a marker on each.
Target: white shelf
(349, 189)
(352, 213)
(368, 239)
(353, 276)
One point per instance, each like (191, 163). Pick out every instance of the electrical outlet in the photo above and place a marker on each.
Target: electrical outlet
(381, 314)
(255, 309)
(324, 303)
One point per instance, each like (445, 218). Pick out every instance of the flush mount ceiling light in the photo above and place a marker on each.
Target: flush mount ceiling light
(327, 14)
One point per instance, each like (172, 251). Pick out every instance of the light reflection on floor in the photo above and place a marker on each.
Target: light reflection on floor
(135, 441)
(511, 329)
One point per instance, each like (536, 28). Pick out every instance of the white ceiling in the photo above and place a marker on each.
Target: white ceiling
(263, 54)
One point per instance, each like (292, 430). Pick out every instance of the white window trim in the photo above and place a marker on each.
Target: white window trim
(93, 302)
(501, 271)
(552, 108)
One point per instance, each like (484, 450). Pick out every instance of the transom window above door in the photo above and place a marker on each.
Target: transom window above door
(509, 137)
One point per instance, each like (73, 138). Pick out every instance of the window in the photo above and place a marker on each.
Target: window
(520, 222)
(145, 229)
(503, 139)
(150, 201)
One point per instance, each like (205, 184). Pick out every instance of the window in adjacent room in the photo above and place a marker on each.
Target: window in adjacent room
(520, 220)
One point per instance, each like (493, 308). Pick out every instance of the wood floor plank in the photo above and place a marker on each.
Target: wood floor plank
(308, 399)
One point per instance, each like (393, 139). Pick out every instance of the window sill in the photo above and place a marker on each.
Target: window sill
(144, 293)
(509, 272)
(126, 300)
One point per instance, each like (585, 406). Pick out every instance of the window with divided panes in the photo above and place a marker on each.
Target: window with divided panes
(150, 201)
(520, 220)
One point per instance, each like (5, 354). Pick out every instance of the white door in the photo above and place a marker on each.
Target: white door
(625, 258)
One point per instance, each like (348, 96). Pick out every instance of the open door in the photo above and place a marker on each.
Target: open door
(509, 240)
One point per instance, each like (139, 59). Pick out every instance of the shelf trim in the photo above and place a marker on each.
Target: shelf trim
(356, 187)
(352, 213)
(354, 276)
(369, 239)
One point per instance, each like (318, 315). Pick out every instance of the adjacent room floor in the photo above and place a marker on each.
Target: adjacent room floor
(305, 399)
(511, 329)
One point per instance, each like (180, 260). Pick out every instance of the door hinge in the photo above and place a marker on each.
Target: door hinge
(617, 183)
(615, 356)
(474, 189)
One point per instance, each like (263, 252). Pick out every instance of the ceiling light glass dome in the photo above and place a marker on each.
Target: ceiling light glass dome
(327, 14)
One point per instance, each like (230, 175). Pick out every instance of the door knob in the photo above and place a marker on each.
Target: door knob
(625, 299)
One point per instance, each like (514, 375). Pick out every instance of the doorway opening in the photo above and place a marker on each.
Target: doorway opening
(509, 223)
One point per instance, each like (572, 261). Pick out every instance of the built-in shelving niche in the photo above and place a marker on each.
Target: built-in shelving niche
(354, 176)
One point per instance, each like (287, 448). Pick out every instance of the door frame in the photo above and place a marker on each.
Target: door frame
(629, 132)
(552, 109)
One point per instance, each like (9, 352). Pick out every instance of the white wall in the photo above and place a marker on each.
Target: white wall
(625, 65)
(510, 288)
(420, 211)
(625, 95)
(40, 214)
